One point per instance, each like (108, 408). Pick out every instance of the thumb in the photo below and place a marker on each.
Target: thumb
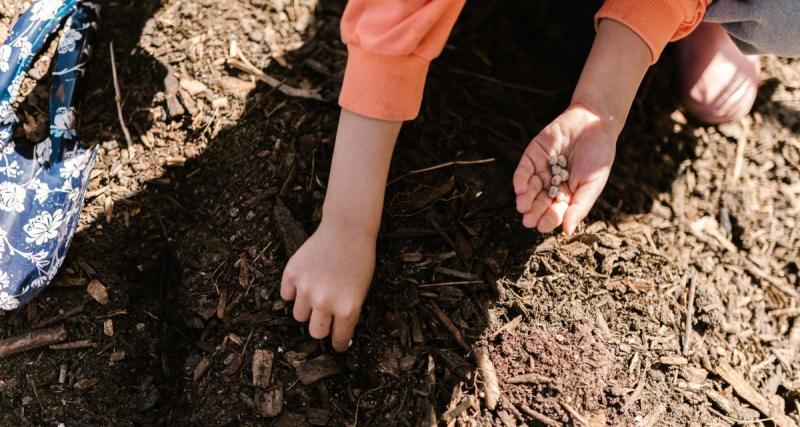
(582, 202)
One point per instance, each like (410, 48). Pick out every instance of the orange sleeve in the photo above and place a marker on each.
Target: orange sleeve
(657, 22)
(390, 44)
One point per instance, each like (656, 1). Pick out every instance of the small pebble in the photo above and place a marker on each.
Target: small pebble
(564, 175)
(562, 161)
(553, 160)
(553, 191)
(556, 170)
(555, 180)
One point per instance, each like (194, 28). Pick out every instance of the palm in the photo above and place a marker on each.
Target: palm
(589, 148)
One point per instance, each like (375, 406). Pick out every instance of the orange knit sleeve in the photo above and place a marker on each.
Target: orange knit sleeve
(657, 22)
(390, 44)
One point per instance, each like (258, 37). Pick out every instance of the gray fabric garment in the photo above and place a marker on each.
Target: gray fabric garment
(760, 26)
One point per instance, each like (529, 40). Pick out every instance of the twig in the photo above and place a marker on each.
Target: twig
(538, 416)
(741, 144)
(491, 390)
(438, 285)
(576, 416)
(441, 166)
(244, 65)
(637, 392)
(750, 394)
(73, 345)
(52, 320)
(689, 314)
(508, 326)
(32, 340)
(454, 331)
(529, 379)
(118, 97)
(652, 418)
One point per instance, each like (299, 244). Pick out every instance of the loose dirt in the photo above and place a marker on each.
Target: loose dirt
(675, 304)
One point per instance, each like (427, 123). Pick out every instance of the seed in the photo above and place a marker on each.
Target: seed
(555, 180)
(562, 161)
(556, 170)
(564, 175)
(553, 191)
(553, 160)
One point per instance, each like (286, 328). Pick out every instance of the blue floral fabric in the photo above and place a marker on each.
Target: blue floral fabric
(42, 185)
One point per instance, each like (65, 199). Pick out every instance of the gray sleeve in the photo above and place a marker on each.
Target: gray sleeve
(760, 26)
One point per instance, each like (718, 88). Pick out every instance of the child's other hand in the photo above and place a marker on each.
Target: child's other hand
(589, 146)
(328, 279)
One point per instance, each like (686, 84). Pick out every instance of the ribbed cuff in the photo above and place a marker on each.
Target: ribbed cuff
(383, 87)
(655, 21)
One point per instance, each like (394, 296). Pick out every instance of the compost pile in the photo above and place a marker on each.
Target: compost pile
(675, 304)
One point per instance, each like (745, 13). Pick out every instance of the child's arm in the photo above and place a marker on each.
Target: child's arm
(630, 36)
(390, 44)
(329, 276)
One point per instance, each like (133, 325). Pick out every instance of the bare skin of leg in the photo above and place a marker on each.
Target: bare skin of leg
(718, 83)
(329, 276)
(585, 133)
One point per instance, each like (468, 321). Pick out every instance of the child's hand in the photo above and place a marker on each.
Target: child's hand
(589, 146)
(328, 279)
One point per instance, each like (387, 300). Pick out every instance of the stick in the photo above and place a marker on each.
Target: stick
(538, 416)
(441, 166)
(576, 416)
(529, 379)
(689, 314)
(449, 325)
(52, 320)
(439, 285)
(73, 345)
(243, 64)
(750, 394)
(652, 418)
(118, 97)
(31, 340)
(491, 389)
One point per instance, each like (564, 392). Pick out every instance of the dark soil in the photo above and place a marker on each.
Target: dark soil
(186, 228)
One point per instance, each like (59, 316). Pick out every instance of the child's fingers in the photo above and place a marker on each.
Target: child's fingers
(539, 206)
(524, 200)
(342, 332)
(552, 217)
(319, 326)
(525, 170)
(288, 290)
(302, 310)
(582, 203)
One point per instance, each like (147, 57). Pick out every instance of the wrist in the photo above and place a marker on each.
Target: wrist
(613, 72)
(354, 218)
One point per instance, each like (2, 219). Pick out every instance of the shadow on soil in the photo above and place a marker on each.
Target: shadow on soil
(205, 231)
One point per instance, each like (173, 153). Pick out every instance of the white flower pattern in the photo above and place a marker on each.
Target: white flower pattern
(12, 197)
(8, 302)
(7, 115)
(5, 57)
(43, 227)
(44, 10)
(39, 227)
(69, 41)
(64, 123)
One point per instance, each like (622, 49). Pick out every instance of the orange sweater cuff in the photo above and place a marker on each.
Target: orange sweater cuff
(383, 87)
(655, 21)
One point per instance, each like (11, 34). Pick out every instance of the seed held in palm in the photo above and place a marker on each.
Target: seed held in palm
(553, 160)
(555, 180)
(562, 161)
(553, 191)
